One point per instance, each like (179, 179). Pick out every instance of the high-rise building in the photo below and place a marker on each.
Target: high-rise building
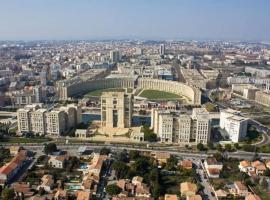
(56, 122)
(38, 121)
(138, 51)
(24, 117)
(176, 127)
(116, 109)
(234, 124)
(201, 125)
(115, 56)
(162, 49)
(35, 119)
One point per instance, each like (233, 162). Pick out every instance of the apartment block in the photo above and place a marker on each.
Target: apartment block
(116, 109)
(176, 127)
(234, 124)
(38, 120)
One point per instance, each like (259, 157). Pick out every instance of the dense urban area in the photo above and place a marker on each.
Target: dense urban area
(134, 120)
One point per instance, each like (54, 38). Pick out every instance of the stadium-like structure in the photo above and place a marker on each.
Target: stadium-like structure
(72, 87)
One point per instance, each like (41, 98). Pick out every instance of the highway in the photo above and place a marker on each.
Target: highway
(72, 150)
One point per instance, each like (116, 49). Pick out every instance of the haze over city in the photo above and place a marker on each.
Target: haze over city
(135, 19)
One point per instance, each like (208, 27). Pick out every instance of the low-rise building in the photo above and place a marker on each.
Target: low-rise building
(239, 189)
(186, 164)
(11, 169)
(57, 161)
(97, 164)
(252, 197)
(47, 183)
(83, 195)
(170, 197)
(212, 167)
(259, 167)
(188, 189)
(194, 197)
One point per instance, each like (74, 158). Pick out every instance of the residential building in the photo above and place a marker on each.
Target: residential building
(239, 189)
(245, 166)
(35, 119)
(11, 169)
(38, 121)
(188, 189)
(194, 197)
(97, 164)
(47, 183)
(57, 161)
(61, 195)
(259, 167)
(186, 164)
(212, 167)
(22, 190)
(83, 195)
(175, 127)
(56, 123)
(234, 124)
(252, 197)
(170, 197)
(116, 109)
(262, 98)
(162, 49)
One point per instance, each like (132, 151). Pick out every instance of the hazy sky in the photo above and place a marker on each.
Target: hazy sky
(147, 19)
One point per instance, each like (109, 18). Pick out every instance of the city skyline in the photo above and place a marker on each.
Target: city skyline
(162, 20)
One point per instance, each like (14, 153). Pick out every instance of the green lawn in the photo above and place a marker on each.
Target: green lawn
(97, 93)
(24, 140)
(159, 95)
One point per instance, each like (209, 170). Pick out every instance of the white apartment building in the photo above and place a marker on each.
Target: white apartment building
(56, 122)
(116, 109)
(165, 127)
(201, 125)
(24, 117)
(175, 127)
(37, 120)
(234, 124)
(184, 125)
(23, 120)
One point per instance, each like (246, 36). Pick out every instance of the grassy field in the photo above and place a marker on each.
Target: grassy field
(159, 95)
(24, 140)
(97, 93)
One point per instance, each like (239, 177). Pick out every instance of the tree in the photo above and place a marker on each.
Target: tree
(8, 194)
(228, 147)
(237, 146)
(171, 163)
(133, 154)
(141, 165)
(104, 151)
(200, 147)
(123, 156)
(264, 183)
(267, 172)
(248, 147)
(113, 189)
(41, 191)
(149, 134)
(121, 169)
(211, 146)
(218, 156)
(50, 148)
(219, 147)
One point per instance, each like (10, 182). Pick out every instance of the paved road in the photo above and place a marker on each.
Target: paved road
(72, 149)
